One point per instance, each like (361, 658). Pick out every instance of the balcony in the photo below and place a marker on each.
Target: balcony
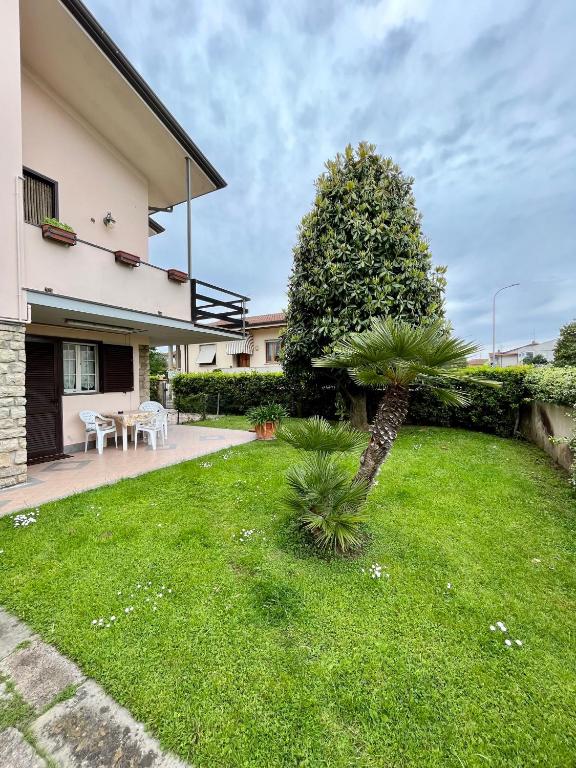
(89, 279)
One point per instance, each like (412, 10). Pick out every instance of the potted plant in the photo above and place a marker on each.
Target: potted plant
(52, 229)
(265, 419)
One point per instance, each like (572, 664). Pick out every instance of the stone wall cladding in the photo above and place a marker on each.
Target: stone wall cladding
(13, 454)
(144, 372)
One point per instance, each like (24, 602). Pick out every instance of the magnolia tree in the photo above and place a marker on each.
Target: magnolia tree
(565, 352)
(360, 254)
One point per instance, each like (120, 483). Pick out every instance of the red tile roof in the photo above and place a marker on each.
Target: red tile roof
(274, 318)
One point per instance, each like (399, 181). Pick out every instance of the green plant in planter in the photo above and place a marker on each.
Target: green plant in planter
(327, 500)
(263, 414)
(55, 223)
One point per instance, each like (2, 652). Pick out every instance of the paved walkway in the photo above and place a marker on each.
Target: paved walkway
(71, 722)
(82, 471)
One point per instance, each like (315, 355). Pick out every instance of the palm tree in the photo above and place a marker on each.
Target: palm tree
(392, 355)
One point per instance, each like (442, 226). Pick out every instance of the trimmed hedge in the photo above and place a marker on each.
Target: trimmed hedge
(552, 384)
(238, 392)
(492, 409)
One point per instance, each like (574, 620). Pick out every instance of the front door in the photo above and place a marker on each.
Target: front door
(43, 399)
(243, 360)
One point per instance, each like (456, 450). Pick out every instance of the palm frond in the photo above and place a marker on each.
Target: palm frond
(394, 352)
(451, 396)
(327, 502)
(317, 434)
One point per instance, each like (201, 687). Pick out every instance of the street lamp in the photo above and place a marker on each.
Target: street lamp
(512, 285)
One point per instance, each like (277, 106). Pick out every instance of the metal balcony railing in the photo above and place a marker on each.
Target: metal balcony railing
(214, 305)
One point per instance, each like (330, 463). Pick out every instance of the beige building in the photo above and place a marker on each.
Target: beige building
(524, 354)
(258, 351)
(85, 141)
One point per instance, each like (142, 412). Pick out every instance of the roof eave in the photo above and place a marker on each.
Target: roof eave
(90, 25)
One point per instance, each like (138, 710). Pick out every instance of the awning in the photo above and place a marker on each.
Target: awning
(240, 347)
(206, 354)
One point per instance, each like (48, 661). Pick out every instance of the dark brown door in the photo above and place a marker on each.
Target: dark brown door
(43, 399)
(243, 360)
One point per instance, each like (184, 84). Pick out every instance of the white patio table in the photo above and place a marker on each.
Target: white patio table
(128, 419)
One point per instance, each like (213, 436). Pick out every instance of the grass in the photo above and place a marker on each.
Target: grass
(223, 422)
(264, 655)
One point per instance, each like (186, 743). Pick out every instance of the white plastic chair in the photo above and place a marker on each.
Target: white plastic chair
(151, 406)
(96, 424)
(151, 428)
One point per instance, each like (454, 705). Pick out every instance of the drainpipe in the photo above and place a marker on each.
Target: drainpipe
(189, 214)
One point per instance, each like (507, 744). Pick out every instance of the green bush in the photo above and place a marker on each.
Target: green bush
(193, 404)
(237, 392)
(491, 409)
(552, 384)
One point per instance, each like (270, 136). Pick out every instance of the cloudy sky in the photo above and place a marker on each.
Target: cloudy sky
(476, 100)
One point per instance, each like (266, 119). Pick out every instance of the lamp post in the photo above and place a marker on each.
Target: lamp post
(512, 285)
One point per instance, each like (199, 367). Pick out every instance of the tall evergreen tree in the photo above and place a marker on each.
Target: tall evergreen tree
(565, 352)
(360, 254)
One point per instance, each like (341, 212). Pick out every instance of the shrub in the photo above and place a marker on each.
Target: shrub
(328, 503)
(552, 384)
(193, 404)
(327, 500)
(491, 409)
(317, 434)
(237, 392)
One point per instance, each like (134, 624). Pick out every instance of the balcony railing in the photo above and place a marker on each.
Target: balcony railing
(218, 306)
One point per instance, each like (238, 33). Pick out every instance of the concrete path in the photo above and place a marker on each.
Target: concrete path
(70, 721)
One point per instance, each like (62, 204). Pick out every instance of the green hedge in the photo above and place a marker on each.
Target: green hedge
(494, 410)
(552, 384)
(491, 409)
(238, 392)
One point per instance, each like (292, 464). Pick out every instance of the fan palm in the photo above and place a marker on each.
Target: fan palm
(392, 355)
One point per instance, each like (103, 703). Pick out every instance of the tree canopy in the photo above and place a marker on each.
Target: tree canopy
(360, 254)
(565, 352)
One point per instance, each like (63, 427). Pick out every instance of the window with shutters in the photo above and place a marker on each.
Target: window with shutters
(80, 368)
(40, 197)
(116, 368)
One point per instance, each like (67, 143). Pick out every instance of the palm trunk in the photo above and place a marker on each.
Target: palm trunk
(390, 416)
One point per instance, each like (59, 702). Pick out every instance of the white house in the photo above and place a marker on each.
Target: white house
(522, 355)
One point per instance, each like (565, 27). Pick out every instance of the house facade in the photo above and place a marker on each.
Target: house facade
(258, 351)
(523, 354)
(87, 143)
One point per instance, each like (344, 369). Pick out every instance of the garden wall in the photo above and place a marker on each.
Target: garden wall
(540, 421)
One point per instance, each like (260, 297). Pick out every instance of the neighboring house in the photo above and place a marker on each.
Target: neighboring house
(258, 351)
(85, 141)
(477, 361)
(521, 355)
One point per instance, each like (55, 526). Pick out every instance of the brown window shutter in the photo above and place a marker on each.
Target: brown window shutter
(116, 368)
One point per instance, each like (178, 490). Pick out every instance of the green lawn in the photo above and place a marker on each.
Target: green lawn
(223, 422)
(263, 655)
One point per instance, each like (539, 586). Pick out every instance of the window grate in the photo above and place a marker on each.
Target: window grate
(40, 197)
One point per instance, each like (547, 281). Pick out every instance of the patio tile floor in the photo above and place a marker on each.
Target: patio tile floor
(82, 471)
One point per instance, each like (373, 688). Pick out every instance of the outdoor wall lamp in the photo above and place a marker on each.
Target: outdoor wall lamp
(108, 219)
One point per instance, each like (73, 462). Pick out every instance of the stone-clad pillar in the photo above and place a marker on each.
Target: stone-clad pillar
(144, 372)
(13, 455)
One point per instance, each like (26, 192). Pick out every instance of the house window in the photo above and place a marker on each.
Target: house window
(206, 354)
(40, 197)
(80, 368)
(273, 351)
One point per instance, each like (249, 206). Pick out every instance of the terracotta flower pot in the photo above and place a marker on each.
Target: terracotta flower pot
(266, 431)
(50, 232)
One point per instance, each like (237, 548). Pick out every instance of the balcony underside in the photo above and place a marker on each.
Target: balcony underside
(63, 311)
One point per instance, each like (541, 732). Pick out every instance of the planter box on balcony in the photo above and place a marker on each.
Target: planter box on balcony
(177, 276)
(129, 259)
(59, 235)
